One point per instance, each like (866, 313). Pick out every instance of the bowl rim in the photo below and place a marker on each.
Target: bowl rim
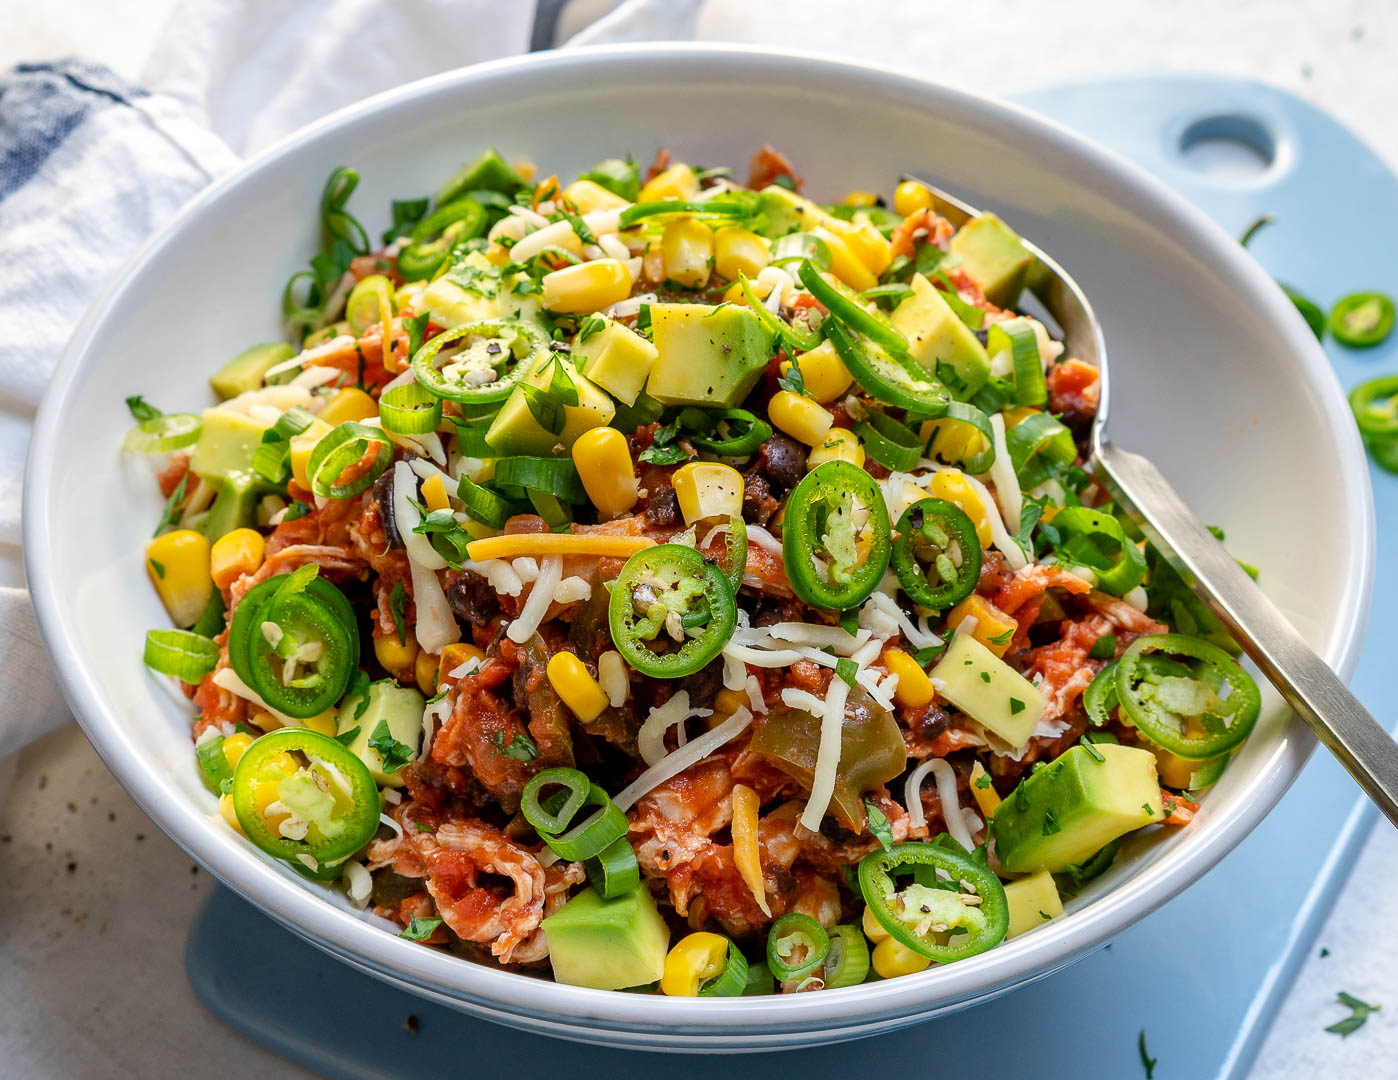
(641, 1019)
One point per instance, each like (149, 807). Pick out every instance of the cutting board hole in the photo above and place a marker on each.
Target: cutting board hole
(1224, 147)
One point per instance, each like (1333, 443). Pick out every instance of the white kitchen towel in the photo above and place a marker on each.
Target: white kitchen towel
(90, 166)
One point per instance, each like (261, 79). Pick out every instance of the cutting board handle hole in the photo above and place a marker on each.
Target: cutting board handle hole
(1228, 147)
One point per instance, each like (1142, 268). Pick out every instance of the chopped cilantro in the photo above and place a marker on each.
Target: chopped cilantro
(358, 688)
(421, 827)
(158, 567)
(983, 781)
(1021, 797)
(1051, 825)
(397, 605)
(1146, 1060)
(1360, 1011)
(985, 676)
(520, 747)
(1104, 648)
(846, 669)
(849, 621)
(141, 409)
(392, 753)
(294, 511)
(878, 825)
(347, 737)
(1016, 706)
(420, 929)
(1045, 916)
(590, 326)
(1003, 639)
(793, 380)
(664, 455)
(172, 508)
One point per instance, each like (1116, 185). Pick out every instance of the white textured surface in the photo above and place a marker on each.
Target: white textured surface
(83, 978)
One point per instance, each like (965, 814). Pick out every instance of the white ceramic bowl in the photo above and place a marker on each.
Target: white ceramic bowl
(1214, 376)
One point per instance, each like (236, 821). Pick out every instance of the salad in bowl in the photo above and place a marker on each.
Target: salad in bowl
(665, 583)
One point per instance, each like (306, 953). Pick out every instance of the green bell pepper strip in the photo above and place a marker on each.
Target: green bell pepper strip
(848, 310)
(161, 434)
(797, 945)
(892, 381)
(1018, 338)
(255, 608)
(410, 409)
(793, 337)
(893, 445)
(964, 414)
(819, 529)
(1375, 406)
(847, 963)
(1362, 320)
(926, 532)
(521, 350)
(181, 654)
(660, 581)
(331, 797)
(1096, 540)
(342, 449)
(746, 433)
(1161, 706)
(614, 872)
(732, 981)
(918, 915)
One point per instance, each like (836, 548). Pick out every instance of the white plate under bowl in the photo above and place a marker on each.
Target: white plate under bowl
(1214, 376)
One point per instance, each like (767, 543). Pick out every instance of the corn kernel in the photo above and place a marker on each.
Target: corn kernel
(676, 182)
(986, 797)
(861, 198)
(824, 373)
(892, 958)
(588, 195)
(323, 723)
(800, 417)
(951, 440)
(301, 447)
(844, 263)
(608, 475)
(950, 484)
(841, 444)
(586, 287)
(235, 746)
(396, 657)
(497, 254)
(527, 170)
(865, 242)
(178, 564)
(425, 671)
(434, 493)
(351, 403)
(738, 251)
(873, 929)
(993, 629)
(695, 960)
(1175, 771)
(575, 685)
(911, 197)
(914, 689)
(453, 656)
(687, 248)
(708, 489)
(225, 807)
(235, 554)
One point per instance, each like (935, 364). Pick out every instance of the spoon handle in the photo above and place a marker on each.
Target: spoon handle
(1361, 744)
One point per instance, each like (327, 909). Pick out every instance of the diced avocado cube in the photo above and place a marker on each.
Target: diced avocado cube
(706, 355)
(398, 709)
(788, 212)
(608, 944)
(936, 335)
(234, 505)
(988, 690)
(1033, 901)
(993, 257)
(489, 172)
(247, 370)
(515, 431)
(616, 359)
(1063, 813)
(226, 444)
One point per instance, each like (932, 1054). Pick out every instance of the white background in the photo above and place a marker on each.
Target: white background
(95, 902)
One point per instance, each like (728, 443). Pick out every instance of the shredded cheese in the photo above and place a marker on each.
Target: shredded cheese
(435, 625)
(675, 710)
(1009, 547)
(832, 724)
(611, 674)
(1002, 471)
(540, 597)
(511, 545)
(406, 516)
(675, 763)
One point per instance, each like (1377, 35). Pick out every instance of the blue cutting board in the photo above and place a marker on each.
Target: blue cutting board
(1236, 938)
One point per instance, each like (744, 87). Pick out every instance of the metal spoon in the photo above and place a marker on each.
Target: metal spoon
(1317, 695)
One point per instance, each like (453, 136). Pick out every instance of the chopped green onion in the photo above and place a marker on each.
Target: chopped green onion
(180, 653)
(799, 247)
(1039, 433)
(597, 833)
(848, 960)
(483, 505)
(961, 412)
(732, 981)
(852, 313)
(796, 946)
(410, 409)
(342, 449)
(572, 782)
(551, 476)
(891, 444)
(614, 871)
(1018, 338)
(794, 337)
(161, 434)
